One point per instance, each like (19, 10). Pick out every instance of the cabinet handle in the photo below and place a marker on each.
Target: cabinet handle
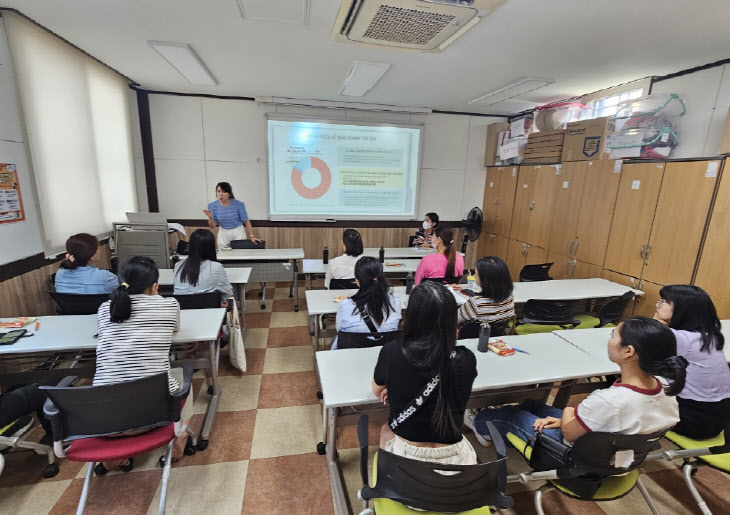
(572, 272)
(570, 248)
(524, 248)
(648, 249)
(567, 268)
(527, 251)
(532, 205)
(499, 199)
(575, 250)
(641, 252)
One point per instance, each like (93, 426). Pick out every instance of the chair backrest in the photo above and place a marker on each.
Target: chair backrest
(470, 329)
(363, 340)
(533, 273)
(412, 240)
(450, 279)
(549, 312)
(78, 304)
(199, 300)
(247, 244)
(594, 452)
(612, 311)
(343, 284)
(111, 409)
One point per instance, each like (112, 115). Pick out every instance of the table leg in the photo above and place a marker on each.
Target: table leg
(309, 281)
(339, 499)
(263, 295)
(214, 398)
(296, 285)
(565, 390)
(315, 321)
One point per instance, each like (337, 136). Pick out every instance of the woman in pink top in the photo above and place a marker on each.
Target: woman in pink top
(445, 263)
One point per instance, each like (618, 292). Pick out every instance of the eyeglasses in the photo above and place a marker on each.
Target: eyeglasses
(661, 302)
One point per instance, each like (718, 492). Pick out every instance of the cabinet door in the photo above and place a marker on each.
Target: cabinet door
(638, 192)
(543, 198)
(506, 200)
(723, 308)
(493, 245)
(596, 210)
(564, 224)
(681, 215)
(646, 304)
(523, 200)
(712, 273)
(561, 265)
(631, 282)
(515, 258)
(535, 255)
(491, 194)
(582, 270)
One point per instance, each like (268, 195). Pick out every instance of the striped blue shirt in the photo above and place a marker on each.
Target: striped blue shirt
(231, 216)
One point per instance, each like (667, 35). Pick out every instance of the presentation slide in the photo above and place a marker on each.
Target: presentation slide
(332, 170)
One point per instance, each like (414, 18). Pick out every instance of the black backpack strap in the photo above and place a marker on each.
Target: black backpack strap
(368, 321)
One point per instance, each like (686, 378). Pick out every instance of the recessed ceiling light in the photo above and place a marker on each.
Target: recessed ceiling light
(515, 89)
(285, 11)
(362, 77)
(184, 59)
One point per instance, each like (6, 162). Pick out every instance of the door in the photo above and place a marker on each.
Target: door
(523, 202)
(493, 245)
(515, 258)
(561, 265)
(491, 194)
(646, 304)
(543, 204)
(681, 215)
(568, 195)
(712, 273)
(638, 192)
(508, 176)
(631, 282)
(596, 210)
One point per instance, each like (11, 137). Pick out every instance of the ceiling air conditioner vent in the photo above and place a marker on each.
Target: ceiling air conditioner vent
(416, 25)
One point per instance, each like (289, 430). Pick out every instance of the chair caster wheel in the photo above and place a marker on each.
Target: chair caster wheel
(694, 471)
(202, 445)
(261, 294)
(320, 396)
(296, 310)
(211, 390)
(321, 449)
(189, 447)
(51, 470)
(263, 306)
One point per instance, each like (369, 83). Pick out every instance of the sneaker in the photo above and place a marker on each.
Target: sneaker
(469, 416)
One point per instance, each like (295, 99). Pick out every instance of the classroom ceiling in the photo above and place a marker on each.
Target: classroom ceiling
(584, 46)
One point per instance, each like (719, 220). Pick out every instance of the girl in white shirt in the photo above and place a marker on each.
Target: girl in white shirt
(343, 267)
(638, 403)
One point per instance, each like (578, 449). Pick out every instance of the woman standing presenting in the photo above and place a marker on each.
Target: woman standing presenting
(229, 215)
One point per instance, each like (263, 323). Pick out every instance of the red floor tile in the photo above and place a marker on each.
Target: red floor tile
(288, 336)
(290, 389)
(230, 439)
(257, 320)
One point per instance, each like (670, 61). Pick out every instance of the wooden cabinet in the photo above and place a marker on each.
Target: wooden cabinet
(631, 282)
(568, 195)
(596, 210)
(520, 254)
(489, 206)
(645, 305)
(679, 221)
(505, 199)
(534, 204)
(567, 267)
(493, 245)
(723, 308)
(636, 202)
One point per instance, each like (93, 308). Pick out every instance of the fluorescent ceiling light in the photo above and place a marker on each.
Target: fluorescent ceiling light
(362, 77)
(184, 59)
(515, 89)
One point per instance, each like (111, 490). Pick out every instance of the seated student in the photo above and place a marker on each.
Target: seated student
(20, 402)
(76, 275)
(638, 403)
(200, 272)
(343, 267)
(495, 302)
(427, 359)
(423, 236)
(446, 262)
(135, 333)
(704, 403)
(374, 298)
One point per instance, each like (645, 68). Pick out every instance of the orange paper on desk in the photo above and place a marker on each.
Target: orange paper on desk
(17, 322)
(500, 348)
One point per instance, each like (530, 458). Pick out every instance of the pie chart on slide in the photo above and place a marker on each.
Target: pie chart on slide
(302, 166)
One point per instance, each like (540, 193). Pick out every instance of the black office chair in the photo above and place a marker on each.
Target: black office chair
(591, 474)
(199, 300)
(362, 340)
(422, 485)
(610, 313)
(247, 244)
(470, 329)
(78, 304)
(546, 316)
(443, 280)
(87, 415)
(343, 284)
(533, 273)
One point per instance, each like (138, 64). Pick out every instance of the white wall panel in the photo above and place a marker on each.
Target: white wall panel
(474, 181)
(177, 127)
(445, 142)
(441, 192)
(181, 187)
(477, 140)
(235, 130)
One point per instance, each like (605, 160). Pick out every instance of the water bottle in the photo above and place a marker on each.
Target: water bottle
(382, 254)
(471, 281)
(409, 283)
(484, 331)
(326, 255)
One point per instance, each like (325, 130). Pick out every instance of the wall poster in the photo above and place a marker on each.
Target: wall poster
(11, 202)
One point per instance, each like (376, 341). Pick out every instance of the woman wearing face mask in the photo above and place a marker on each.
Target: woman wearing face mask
(229, 215)
(446, 262)
(424, 235)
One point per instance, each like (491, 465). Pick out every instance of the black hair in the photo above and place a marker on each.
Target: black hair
(434, 219)
(81, 248)
(373, 295)
(201, 248)
(446, 234)
(353, 242)
(495, 278)
(135, 276)
(225, 186)
(429, 338)
(694, 311)
(656, 348)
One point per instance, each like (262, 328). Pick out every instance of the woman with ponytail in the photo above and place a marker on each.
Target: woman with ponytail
(201, 272)
(640, 402)
(374, 298)
(429, 367)
(135, 333)
(704, 404)
(76, 275)
(446, 263)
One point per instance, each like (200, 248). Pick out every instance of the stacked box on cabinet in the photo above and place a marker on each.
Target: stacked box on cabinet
(586, 140)
(545, 147)
(495, 137)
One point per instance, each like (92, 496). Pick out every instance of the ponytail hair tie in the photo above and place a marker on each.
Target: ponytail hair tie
(452, 241)
(126, 286)
(675, 362)
(70, 257)
(375, 279)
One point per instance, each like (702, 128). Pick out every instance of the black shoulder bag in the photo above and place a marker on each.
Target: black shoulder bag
(548, 453)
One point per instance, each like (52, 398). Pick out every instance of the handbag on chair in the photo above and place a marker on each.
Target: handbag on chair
(548, 453)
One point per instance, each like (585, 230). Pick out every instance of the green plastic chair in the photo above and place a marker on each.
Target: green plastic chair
(546, 316)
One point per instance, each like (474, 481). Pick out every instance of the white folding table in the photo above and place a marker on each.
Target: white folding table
(312, 267)
(238, 277)
(569, 289)
(398, 252)
(71, 339)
